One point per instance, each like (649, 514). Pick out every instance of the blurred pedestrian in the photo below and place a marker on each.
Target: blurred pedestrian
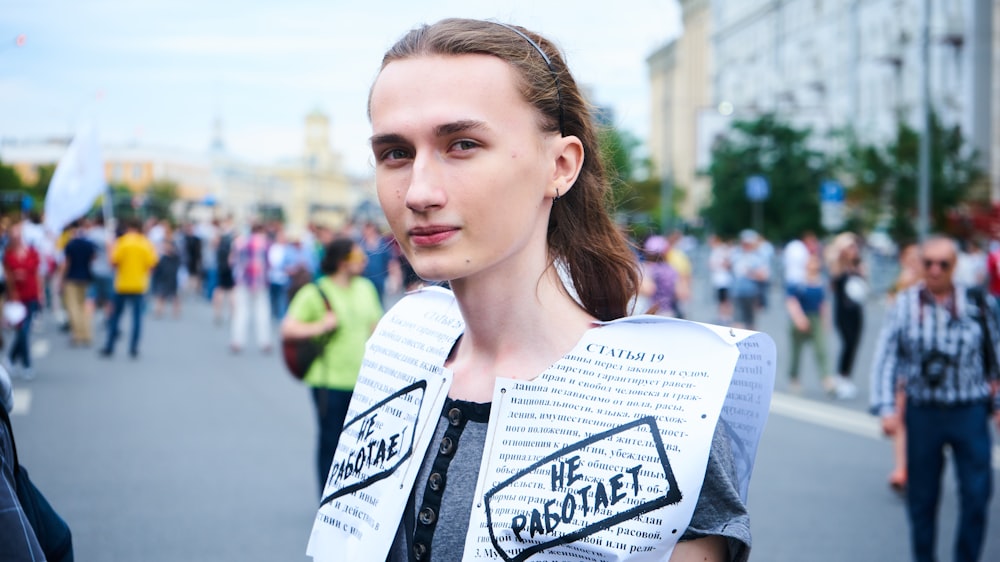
(809, 312)
(749, 270)
(940, 342)
(102, 287)
(850, 291)
(970, 271)
(78, 255)
(277, 274)
(222, 292)
(192, 257)
(133, 258)
(250, 295)
(661, 286)
(911, 271)
(381, 262)
(167, 279)
(354, 311)
(21, 264)
(679, 260)
(721, 273)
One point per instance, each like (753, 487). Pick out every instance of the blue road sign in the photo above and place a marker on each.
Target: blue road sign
(757, 188)
(831, 191)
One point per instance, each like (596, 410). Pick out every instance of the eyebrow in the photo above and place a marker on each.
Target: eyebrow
(443, 130)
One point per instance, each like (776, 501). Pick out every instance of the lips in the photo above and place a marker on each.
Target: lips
(431, 235)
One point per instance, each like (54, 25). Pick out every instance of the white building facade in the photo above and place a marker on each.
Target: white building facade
(828, 64)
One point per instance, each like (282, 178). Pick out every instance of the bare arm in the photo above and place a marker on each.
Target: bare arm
(707, 549)
(292, 328)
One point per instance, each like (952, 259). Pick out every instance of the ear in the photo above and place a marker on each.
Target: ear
(567, 153)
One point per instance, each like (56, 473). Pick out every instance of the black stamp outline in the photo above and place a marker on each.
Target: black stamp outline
(671, 497)
(419, 385)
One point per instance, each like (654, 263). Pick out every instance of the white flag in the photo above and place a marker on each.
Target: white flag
(77, 182)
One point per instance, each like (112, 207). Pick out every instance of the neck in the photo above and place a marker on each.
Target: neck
(341, 277)
(513, 330)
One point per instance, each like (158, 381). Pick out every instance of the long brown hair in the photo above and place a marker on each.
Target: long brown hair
(581, 233)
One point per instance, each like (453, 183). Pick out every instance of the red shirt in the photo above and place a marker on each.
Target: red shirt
(993, 272)
(22, 273)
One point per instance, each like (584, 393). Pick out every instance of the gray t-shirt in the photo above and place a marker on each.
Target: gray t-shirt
(436, 519)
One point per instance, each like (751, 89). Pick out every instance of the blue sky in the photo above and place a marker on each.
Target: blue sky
(159, 71)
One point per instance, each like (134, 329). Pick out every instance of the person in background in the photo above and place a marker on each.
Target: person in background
(971, 268)
(939, 342)
(355, 309)
(721, 273)
(222, 293)
(911, 271)
(749, 269)
(661, 286)
(78, 257)
(381, 263)
(133, 258)
(102, 287)
(192, 257)
(250, 295)
(24, 285)
(810, 314)
(850, 291)
(678, 259)
(277, 274)
(166, 279)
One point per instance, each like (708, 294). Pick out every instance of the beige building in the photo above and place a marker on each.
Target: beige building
(680, 76)
(311, 188)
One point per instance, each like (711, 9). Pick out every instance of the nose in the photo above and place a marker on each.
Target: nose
(426, 187)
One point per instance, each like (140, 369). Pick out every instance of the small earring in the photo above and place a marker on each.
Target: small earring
(556, 198)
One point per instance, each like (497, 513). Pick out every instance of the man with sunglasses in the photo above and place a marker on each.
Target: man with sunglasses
(939, 344)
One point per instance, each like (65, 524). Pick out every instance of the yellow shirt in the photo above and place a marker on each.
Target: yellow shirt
(679, 261)
(133, 258)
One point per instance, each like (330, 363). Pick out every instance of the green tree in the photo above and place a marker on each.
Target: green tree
(10, 180)
(160, 195)
(780, 153)
(883, 179)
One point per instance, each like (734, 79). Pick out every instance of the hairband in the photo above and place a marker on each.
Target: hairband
(555, 77)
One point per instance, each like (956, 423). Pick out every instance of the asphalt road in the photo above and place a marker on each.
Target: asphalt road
(190, 453)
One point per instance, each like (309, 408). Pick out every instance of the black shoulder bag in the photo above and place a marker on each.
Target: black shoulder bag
(50, 529)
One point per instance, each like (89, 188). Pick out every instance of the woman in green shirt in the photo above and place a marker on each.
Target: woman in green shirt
(354, 311)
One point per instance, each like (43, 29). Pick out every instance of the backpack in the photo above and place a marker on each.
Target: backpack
(300, 353)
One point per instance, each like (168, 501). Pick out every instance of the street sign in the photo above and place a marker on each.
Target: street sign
(831, 191)
(757, 188)
(831, 204)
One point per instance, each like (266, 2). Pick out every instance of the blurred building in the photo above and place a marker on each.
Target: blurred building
(995, 113)
(830, 64)
(311, 188)
(680, 75)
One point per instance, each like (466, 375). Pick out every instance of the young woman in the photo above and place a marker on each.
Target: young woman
(354, 310)
(489, 172)
(850, 289)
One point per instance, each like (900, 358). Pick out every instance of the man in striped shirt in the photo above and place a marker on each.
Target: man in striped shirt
(939, 344)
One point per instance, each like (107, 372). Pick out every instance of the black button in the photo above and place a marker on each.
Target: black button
(436, 482)
(419, 550)
(427, 516)
(455, 416)
(447, 447)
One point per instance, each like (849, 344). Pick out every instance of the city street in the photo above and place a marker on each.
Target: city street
(191, 453)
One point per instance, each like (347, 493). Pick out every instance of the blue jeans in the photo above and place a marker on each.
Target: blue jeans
(278, 292)
(118, 307)
(331, 410)
(966, 430)
(21, 348)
